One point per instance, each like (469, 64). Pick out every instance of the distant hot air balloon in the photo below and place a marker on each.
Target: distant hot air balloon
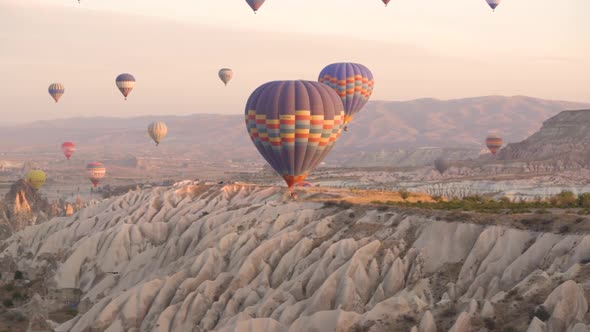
(68, 148)
(441, 164)
(354, 84)
(493, 4)
(226, 74)
(255, 4)
(56, 90)
(386, 2)
(494, 143)
(157, 131)
(36, 178)
(294, 125)
(96, 171)
(125, 83)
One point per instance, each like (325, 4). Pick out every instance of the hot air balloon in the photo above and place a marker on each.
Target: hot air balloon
(226, 74)
(96, 171)
(157, 131)
(36, 178)
(386, 2)
(354, 84)
(494, 143)
(255, 4)
(125, 83)
(68, 148)
(294, 125)
(441, 164)
(493, 4)
(56, 90)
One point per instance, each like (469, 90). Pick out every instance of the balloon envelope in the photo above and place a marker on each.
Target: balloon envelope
(493, 3)
(36, 178)
(68, 149)
(96, 171)
(157, 131)
(353, 82)
(225, 74)
(441, 165)
(56, 90)
(386, 2)
(125, 83)
(294, 125)
(494, 143)
(255, 4)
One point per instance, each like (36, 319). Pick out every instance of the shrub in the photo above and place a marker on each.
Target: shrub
(17, 296)
(489, 323)
(8, 303)
(20, 317)
(564, 229)
(584, 200)
(509, 328)
(541, 313)
(18, 275)
(9, 287)
(565, 199)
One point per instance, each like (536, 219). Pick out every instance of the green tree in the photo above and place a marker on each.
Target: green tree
(584, 200)
(18, 275)
(566, 199)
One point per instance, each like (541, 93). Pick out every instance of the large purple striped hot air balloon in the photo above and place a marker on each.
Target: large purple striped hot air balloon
(56, 90)
(125, 83)
(493, 4)
(294, 125)
(255, 4)
(354, 84)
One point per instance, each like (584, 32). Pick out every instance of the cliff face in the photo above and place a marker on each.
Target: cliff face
(563, 138)
(243, 258)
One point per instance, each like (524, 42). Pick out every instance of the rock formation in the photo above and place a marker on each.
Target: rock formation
(239, 258)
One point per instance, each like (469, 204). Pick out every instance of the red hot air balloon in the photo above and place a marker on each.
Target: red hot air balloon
(386, 2)
(96, 172)
(68, 148)
(494, 143)
(294, 125)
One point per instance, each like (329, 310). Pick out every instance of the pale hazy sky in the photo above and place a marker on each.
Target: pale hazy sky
(415, 48)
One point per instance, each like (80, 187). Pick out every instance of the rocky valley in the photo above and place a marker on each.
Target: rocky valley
(193, 257)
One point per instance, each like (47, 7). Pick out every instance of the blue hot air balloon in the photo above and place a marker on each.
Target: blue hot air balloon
(294, 125)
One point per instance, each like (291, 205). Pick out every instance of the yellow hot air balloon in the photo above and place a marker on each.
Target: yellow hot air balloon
(157, 131)
(36, 178)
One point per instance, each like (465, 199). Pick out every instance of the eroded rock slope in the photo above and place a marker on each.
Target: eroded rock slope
(242, 258)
